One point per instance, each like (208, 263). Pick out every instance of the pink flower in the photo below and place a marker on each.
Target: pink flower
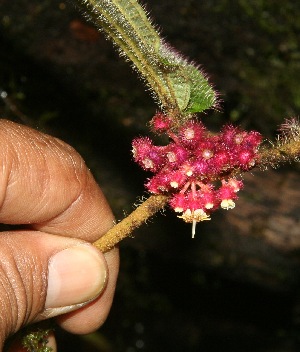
(191, 133)
(161, 123)
(197, 168)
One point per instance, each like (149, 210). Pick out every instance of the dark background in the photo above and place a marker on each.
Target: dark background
(235, 287)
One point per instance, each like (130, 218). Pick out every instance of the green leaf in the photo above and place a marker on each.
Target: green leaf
(181, 88)
(202, 95)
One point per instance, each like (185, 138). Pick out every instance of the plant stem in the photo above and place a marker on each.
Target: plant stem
(180, 88)
(280, 153)
(124, 228)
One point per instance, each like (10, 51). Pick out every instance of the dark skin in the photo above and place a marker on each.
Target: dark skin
(46, 186)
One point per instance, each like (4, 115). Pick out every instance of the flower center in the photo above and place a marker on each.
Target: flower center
(189, 133)
(207, 154)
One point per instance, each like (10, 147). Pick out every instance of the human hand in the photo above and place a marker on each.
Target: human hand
(50, 269)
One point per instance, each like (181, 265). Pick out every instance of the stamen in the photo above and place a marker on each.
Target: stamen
(189, 133)
(227, 204)
(148, 163)
(194, 228)
(171, 157)
(207, 153)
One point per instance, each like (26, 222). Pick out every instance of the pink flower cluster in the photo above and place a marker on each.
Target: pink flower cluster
(197, 168)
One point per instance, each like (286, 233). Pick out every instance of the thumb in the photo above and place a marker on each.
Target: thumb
(43, 275)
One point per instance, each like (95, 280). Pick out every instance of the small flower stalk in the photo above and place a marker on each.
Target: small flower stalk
(198, 170)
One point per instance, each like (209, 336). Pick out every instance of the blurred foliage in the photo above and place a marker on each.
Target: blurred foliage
(249, 48)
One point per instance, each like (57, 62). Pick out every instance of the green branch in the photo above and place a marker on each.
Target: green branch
(180, 88)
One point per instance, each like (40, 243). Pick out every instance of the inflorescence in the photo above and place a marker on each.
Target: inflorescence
(197, 169)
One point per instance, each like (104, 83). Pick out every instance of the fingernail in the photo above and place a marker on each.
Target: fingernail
(75, 275)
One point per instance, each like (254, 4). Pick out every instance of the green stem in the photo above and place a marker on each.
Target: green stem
(125, 22)
(180, 88)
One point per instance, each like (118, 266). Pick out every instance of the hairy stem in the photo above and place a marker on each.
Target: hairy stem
(124, 228)
(282, 152)
(127, 26)
(180, 87)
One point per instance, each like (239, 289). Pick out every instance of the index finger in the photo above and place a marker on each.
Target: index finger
(45, 183)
